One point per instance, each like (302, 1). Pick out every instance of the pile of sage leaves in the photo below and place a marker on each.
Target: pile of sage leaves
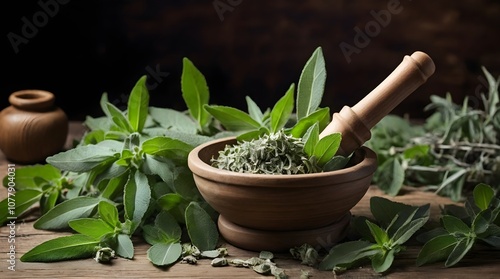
(128, 176)
(457, 146)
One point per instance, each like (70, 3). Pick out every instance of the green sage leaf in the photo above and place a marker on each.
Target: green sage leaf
(459, 251)
(336, 163)
(138, 102)
(168, 224)
(201, 228)
(404, 217)
(233, 119)
(383, 260)
(24, 200)
(380, 236)
(492, 240)
(320, 116)
(454, 225)
(97, 124)
(162, 254)
(136, 198)
(25, 176)
(391, 176)
(154, 165)
(63, 248)
(167, 147)
(482, 222)
(104, 105)
(119, 119)
(254, 111)
(311, 138)
(347, 254)
(311, 84)
(153, 235)
(59, 216)
(169, 201)
(327, 147)
(195, 92)
(385, 210)
(173, 120)
(49, 199)
(405, 232)
(482, 195)
(436, 249)
(115, 186)
(282, 110)
(95, 228)
(82, 158)
(125, 247)
(108, 213)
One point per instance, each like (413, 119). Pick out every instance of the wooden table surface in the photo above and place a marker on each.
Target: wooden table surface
(481, 262)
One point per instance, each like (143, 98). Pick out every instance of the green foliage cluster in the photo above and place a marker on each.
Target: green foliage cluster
(380, 240)
(128, 175)
(455, 148)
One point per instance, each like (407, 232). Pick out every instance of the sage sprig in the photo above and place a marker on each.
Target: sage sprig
(269, 146)
(462, 227)
(129, 167)
(381, 239)
(455, 148)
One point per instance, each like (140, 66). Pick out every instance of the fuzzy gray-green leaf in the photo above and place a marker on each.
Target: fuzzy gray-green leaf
(167, 147)
(233, 119)
(59, 216)
(137, 109)
(320, 116)
(24, 177)
(201, 228)
(347, 253)
(63, 248)
(24, 199)
(311, 84)
(173, 120)
(311, 138)
(282, 110)
(254, 111)
(82, 158)
(327, 147)
(195, 92)
(125, 247)
(162, 254)
(482, 195)
(95, 228)
(436, 249)
(136, 197)
(459, 251)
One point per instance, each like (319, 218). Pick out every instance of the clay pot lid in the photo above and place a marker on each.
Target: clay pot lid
(32, 99)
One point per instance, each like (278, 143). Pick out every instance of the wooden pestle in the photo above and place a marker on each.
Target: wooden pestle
(355, 123)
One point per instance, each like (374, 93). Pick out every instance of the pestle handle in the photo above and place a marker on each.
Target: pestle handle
(355, 123)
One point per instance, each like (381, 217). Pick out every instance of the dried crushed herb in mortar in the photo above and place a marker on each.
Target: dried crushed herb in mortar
(275, 153)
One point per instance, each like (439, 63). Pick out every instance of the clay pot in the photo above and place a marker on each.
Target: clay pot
(277, 212)
(32, 127)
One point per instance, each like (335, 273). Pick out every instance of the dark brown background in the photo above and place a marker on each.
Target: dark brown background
(258, 49)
